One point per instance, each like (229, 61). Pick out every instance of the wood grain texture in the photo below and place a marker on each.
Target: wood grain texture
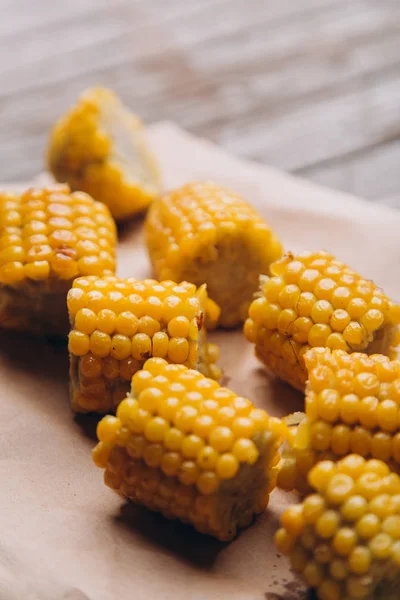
(311, 86)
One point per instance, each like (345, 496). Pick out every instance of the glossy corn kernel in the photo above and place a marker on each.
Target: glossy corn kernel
(313, 300)
(190, 449)
(352, 405)
(49, 236)
(204, 233)
(117, 324)
(344, 538)
(100, 147)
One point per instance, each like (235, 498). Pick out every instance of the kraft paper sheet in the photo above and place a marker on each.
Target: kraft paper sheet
(63, 534)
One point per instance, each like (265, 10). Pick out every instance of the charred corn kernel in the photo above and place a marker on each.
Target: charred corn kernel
(112, 337)
(40, 255)
(202, 232)
(352, 405)
(99, 147)
(360, 554)
(165, 450)
(313, 300)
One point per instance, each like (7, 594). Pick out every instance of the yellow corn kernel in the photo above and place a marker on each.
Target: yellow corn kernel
(112, 336)
(313, 300)
(178, 350)
(40, 255)
(359, 554)
(202, 232)
(165, 450)
(99, 147)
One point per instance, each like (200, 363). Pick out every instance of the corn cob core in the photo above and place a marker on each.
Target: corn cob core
(352, 405)
(49, 236)
(100, 147)
(344, 539)
(314, 300)
(204, 233)
(190, 449)
(117, 324)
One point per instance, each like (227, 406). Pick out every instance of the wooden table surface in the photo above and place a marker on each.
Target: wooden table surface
(310, 86)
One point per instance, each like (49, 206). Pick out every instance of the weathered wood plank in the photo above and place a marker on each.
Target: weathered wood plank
(210, 33)
(312, 86)
(23, 17)
(392, 201)
(374, 174)
(125, 35)
(324, 129)
(275, 83)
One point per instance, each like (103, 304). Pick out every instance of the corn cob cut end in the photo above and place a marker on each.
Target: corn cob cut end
(208, 353)
(99, 146)
(343, 539)
(117, 324)
(297, 457)
(202, 232)
(288, 367)
(313, 300)
(49, 236)
(183, 446)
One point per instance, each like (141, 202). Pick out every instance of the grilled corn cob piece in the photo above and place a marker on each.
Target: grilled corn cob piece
(117, 324)
(190, 449)
(352, 405)
(100, 147)
(344, 539)
(49, 236)
(314, 300)
(204, 233)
